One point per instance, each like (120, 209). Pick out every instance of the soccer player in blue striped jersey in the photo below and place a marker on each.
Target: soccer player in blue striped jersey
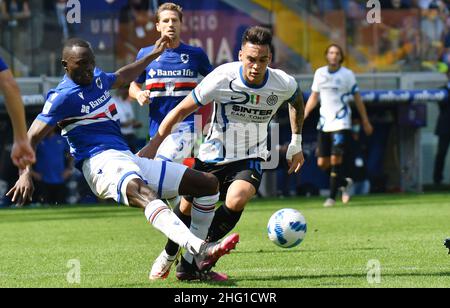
(169, 79)
(82, 107)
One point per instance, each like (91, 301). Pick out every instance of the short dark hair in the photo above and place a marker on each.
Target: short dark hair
(77, 42)
(258, 36)
(341, 51)
(169, 7)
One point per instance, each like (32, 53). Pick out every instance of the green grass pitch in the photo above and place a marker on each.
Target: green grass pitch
(115, 247)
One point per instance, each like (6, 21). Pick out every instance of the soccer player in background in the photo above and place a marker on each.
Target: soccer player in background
(335, 85)
(246, 95)
(22, 154)
(168, 80)
(82, 107)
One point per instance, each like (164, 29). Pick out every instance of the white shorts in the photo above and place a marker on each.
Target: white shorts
(177, 146)
(109, 173)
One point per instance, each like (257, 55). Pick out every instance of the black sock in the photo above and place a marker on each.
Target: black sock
(224, 221)
(172, 247)
(186, 267)
(336, 180)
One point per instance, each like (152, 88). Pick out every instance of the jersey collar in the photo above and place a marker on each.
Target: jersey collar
(266, 78)
(175, 49)
(332, 73)
(69, 82)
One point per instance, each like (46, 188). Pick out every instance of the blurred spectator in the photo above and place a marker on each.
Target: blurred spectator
(128, 122)
(395, 4)
(443, 133)
(446, 43)
(16, 10)
(61, 6)
(54, 166)
(15, 37)
(2, 9)
(137, 29)
(434, 13)
(324, 6)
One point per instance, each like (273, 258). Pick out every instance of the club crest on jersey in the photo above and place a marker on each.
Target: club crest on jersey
(184, 58)
(99, 83)
(272, 100)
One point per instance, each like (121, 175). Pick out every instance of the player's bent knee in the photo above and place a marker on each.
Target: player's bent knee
(139, 194)
(237, 203)
(199, 184)
(213, 184)
(239, 194)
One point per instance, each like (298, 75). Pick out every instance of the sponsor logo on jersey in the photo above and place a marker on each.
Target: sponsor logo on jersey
(171, 73)
(241, 97)
(102, 99)
(81, 95)
(246, 110)
(152, 73)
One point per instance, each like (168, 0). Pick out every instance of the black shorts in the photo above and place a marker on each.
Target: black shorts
(248, 170)
(333, 143)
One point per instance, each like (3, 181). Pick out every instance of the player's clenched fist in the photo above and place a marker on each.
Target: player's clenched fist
(143, 97)
(162, 44)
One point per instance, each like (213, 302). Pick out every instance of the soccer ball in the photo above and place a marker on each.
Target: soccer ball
(287, 228)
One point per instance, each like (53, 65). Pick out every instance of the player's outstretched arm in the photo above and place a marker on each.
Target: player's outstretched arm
(177, 115)
(22, 191)
(129, 73)
(313, 100)
(368, 129)
(294, 153)
(22, 154)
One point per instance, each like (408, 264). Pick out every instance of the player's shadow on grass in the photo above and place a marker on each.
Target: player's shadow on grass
(363, 276)
(231, 282)
(284, 251)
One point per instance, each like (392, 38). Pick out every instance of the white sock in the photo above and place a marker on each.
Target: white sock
(164, 220)
(202, 217)
(174, 201)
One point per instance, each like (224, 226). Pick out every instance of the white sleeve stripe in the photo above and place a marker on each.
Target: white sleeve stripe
(197, 101)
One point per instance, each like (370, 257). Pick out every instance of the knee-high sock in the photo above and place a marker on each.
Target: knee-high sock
(171, 246)
(202, 215)
(224, 221)
(336, 180)
(164, 220)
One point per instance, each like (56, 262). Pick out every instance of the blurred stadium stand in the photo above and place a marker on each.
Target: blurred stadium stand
(404, 52)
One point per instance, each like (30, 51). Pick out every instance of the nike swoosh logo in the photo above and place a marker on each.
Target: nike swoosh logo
(233, 98)
(253, 177)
